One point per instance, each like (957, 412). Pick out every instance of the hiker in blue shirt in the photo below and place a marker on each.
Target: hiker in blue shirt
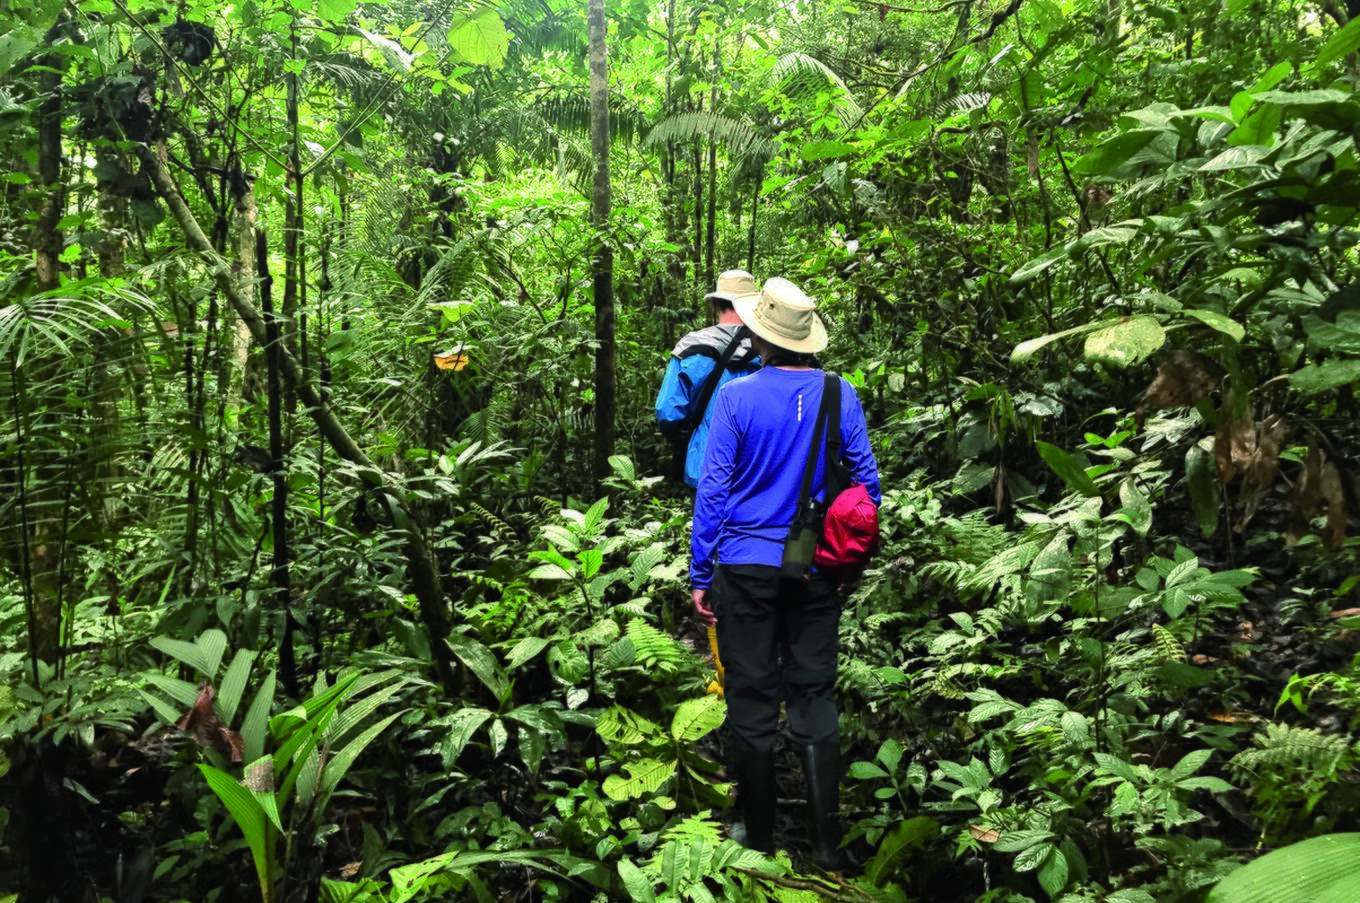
(686, 385)
(779, 636)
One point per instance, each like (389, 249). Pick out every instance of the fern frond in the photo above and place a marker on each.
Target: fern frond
(694, 829)
(655, 649)
(1007, 563)
(504, 532)
(1168, 648)
(1282, 746)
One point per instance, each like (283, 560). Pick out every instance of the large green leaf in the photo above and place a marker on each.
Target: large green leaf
(481, 661)
(1327, 375)
(1037, 266)
(344, 758)
(619, 725)
(233, 685)
(16, 44)
(255, 725)
(638, 885)
(1135, 508)
(696, 717)
(1236, 158)
(814, 151)
(1067, 467)
(1343, 42)
(1026, 349)
(1341, 337)
(203, 655)
(1319, 870)
(1126, 341)
(462, 724)
(335, 10)
(249, 815)
(1221, 322)
(480, 38)
(1114, 152)
(410, 881)
(1202, 483)
(896, 845)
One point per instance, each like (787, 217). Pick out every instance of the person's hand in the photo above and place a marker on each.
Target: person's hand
(701, 608)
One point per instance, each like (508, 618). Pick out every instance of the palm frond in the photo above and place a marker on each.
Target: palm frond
(798, 73)
(960, 104)
(740, 137)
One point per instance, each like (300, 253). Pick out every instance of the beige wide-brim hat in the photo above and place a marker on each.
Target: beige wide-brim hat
(732, 285)
(781, 314)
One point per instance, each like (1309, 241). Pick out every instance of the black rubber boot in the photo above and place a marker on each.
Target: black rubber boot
(756, 795)
(821, 766)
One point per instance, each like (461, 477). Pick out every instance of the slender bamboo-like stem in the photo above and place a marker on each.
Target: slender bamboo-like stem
(26, 571)
(603, 270)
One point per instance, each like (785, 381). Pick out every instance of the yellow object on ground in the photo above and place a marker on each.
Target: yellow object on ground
(716, 686)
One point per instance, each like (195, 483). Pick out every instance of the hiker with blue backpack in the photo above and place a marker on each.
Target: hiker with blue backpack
(701, 363)
(785, 515)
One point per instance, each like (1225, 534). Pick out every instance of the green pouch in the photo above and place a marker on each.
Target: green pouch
(801, 543)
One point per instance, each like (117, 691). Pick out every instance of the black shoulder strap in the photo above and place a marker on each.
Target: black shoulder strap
(819, 433)
(832, 388)
(696, 413)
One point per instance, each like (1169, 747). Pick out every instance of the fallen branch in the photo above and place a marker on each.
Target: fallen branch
(821, 888)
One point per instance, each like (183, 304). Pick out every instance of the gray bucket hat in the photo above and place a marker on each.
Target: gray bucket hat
(732, 285)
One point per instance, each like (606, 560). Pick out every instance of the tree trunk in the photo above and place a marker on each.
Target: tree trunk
(424, 572)
(243, 218)
(755, 209)
(45, 548)
(710, 276)
(279, 575)
(603, 275)
(698, 257)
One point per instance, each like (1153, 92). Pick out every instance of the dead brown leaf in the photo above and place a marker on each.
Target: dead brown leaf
(208, 730)
(1345, 613)
(1264, 464)
(1235, 439)
(1233, 716)
(451, 361)
(350, 870)
(1183, 378)
(1307, 495)
(986, 835)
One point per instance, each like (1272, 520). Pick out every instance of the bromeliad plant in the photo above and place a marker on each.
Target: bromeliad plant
(315, 743)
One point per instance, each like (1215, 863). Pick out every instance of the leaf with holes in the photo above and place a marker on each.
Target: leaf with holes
(643, 777)
(697, 717)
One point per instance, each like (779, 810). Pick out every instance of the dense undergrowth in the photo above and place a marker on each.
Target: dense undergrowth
(1089, 266)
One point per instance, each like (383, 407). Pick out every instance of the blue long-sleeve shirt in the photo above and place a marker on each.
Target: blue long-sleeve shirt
(753, 467)
(691, 362)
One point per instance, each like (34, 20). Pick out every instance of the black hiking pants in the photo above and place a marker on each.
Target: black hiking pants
(778, 640)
